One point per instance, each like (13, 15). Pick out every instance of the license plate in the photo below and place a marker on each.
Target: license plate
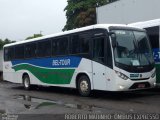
(141, 86)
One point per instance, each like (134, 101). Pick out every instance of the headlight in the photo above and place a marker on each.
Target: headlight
(121, 75)
(154, 74)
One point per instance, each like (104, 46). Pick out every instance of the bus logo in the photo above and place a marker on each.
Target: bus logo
(61, 62)
(134, 75)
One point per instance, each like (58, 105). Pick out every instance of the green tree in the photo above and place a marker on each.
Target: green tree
(86, 18)
(81, 13)
(1, 44)
(34, 36)
(4, 42)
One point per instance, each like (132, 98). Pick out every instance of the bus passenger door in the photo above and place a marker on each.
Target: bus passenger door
(98, 67)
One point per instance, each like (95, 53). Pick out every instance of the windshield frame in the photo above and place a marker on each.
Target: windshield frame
(129, 68)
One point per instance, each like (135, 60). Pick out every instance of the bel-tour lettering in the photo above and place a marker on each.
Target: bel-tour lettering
(62, 62)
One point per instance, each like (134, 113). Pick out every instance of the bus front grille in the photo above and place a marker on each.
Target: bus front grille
(140, 85)
(140, 79)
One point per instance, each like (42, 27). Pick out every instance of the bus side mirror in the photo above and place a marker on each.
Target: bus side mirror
(113, 38)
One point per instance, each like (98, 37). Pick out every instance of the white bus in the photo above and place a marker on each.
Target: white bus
(99, 57)
(153, 30)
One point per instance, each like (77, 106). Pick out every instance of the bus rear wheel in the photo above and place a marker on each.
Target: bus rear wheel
(84, 86)
(26, 82)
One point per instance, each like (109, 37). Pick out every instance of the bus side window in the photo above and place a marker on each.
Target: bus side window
(44, 48)
(109, 54)
(75, 48)
(62, 44)
(153, 33)
(8, 54)
(30, 50)
(19, 52)
(84, 44)
(98, 50)
(54, 47)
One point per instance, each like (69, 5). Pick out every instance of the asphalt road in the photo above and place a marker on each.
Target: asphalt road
(56, 103)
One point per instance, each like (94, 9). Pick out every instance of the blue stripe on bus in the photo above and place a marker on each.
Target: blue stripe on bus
(58, 62)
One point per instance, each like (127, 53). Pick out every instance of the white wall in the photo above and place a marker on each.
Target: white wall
(129, 11)
(1, 60)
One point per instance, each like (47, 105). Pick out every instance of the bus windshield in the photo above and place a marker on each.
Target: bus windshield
(132, 48)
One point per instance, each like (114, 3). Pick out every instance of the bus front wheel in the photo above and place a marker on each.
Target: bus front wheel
(84, 86)
(26, 82)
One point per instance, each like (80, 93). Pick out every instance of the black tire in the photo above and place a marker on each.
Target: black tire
(26, 82)
(84, 86)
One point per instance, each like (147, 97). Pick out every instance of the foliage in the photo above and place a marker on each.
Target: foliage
(3, 42)
(34, 36)
(86, 18)
(81, 13)
(7, 41)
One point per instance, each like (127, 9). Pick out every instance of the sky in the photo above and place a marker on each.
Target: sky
(22, 18)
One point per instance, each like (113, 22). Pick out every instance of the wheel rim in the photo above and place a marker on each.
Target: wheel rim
(26, 82)
(84, 86)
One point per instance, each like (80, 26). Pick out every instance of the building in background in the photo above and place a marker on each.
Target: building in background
(128, 11)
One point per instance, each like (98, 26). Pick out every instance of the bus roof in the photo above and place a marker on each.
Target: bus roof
(105, 26)
(146, 24)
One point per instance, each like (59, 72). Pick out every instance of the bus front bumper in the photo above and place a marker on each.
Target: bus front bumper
(130, 85)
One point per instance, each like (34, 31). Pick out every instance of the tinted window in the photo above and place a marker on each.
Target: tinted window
(60, 46)
(63, 46)
(109, 54)
(30, 50)
(44, 48)
(98, 50)
(84, 44)
(75, 46)
(19, 52)
(54, 47)
(8, 53)
(153, 33)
